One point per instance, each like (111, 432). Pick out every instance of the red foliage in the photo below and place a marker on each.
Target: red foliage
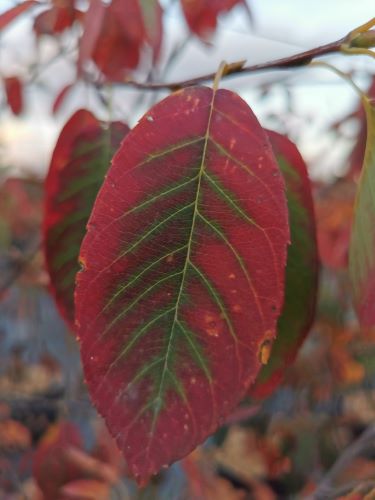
(60, 98)
(164, 418)
(127, 25)
(10, 15)
(92, 25)
(51, 466)
(302, 269)
(116, 51)
(58, 18)
(83, 151)
(201, 15)
(13, 90)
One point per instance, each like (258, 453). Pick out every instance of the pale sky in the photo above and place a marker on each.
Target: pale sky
(281, 28)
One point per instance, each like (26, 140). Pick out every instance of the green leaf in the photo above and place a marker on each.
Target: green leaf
(362, 243)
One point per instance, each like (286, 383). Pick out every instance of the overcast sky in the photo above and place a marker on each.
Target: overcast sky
(280, 28)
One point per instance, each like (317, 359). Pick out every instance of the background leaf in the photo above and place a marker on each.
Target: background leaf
(79, 162)
(92, 23)
(13, 90)
(362, 244)
(51, 465)
(201, 15)
(57, 19)
(183, 274)
(152, 15)
(118, 49)
(10, 15)
(301, 280)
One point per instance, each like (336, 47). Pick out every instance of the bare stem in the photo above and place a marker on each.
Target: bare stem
(357, 41)
(301, 59)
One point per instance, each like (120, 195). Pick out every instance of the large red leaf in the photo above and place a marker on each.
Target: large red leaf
(10, 15)
(201, 15)
(183, 274)
(13, 90)
(301, 278)
(78, 166)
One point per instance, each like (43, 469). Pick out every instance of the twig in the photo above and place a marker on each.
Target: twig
(361, 37)
(365, 443)
(301, 59)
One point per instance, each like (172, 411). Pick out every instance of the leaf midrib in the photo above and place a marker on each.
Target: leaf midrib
(175, 322)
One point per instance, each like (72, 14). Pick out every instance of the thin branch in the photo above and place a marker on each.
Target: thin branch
(301, 59)
(357, 41)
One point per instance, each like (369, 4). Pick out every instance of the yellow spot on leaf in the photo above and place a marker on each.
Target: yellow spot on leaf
(82, 262)
(265, 352)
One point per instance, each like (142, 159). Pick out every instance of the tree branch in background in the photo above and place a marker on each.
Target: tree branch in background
(357, 41)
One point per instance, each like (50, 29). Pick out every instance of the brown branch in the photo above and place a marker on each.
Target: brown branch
(301, 59)
(362, 37)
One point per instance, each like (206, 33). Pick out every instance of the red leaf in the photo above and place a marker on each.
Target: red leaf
(79, 163)
(152, 15)
(11, 14)
(13, 90)
(183, 274)
(117, 51)
(61, 97)
(301, 281)
(51, 469)
(92, 24)
(57, 19)
(129, 15)
(201, 15)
